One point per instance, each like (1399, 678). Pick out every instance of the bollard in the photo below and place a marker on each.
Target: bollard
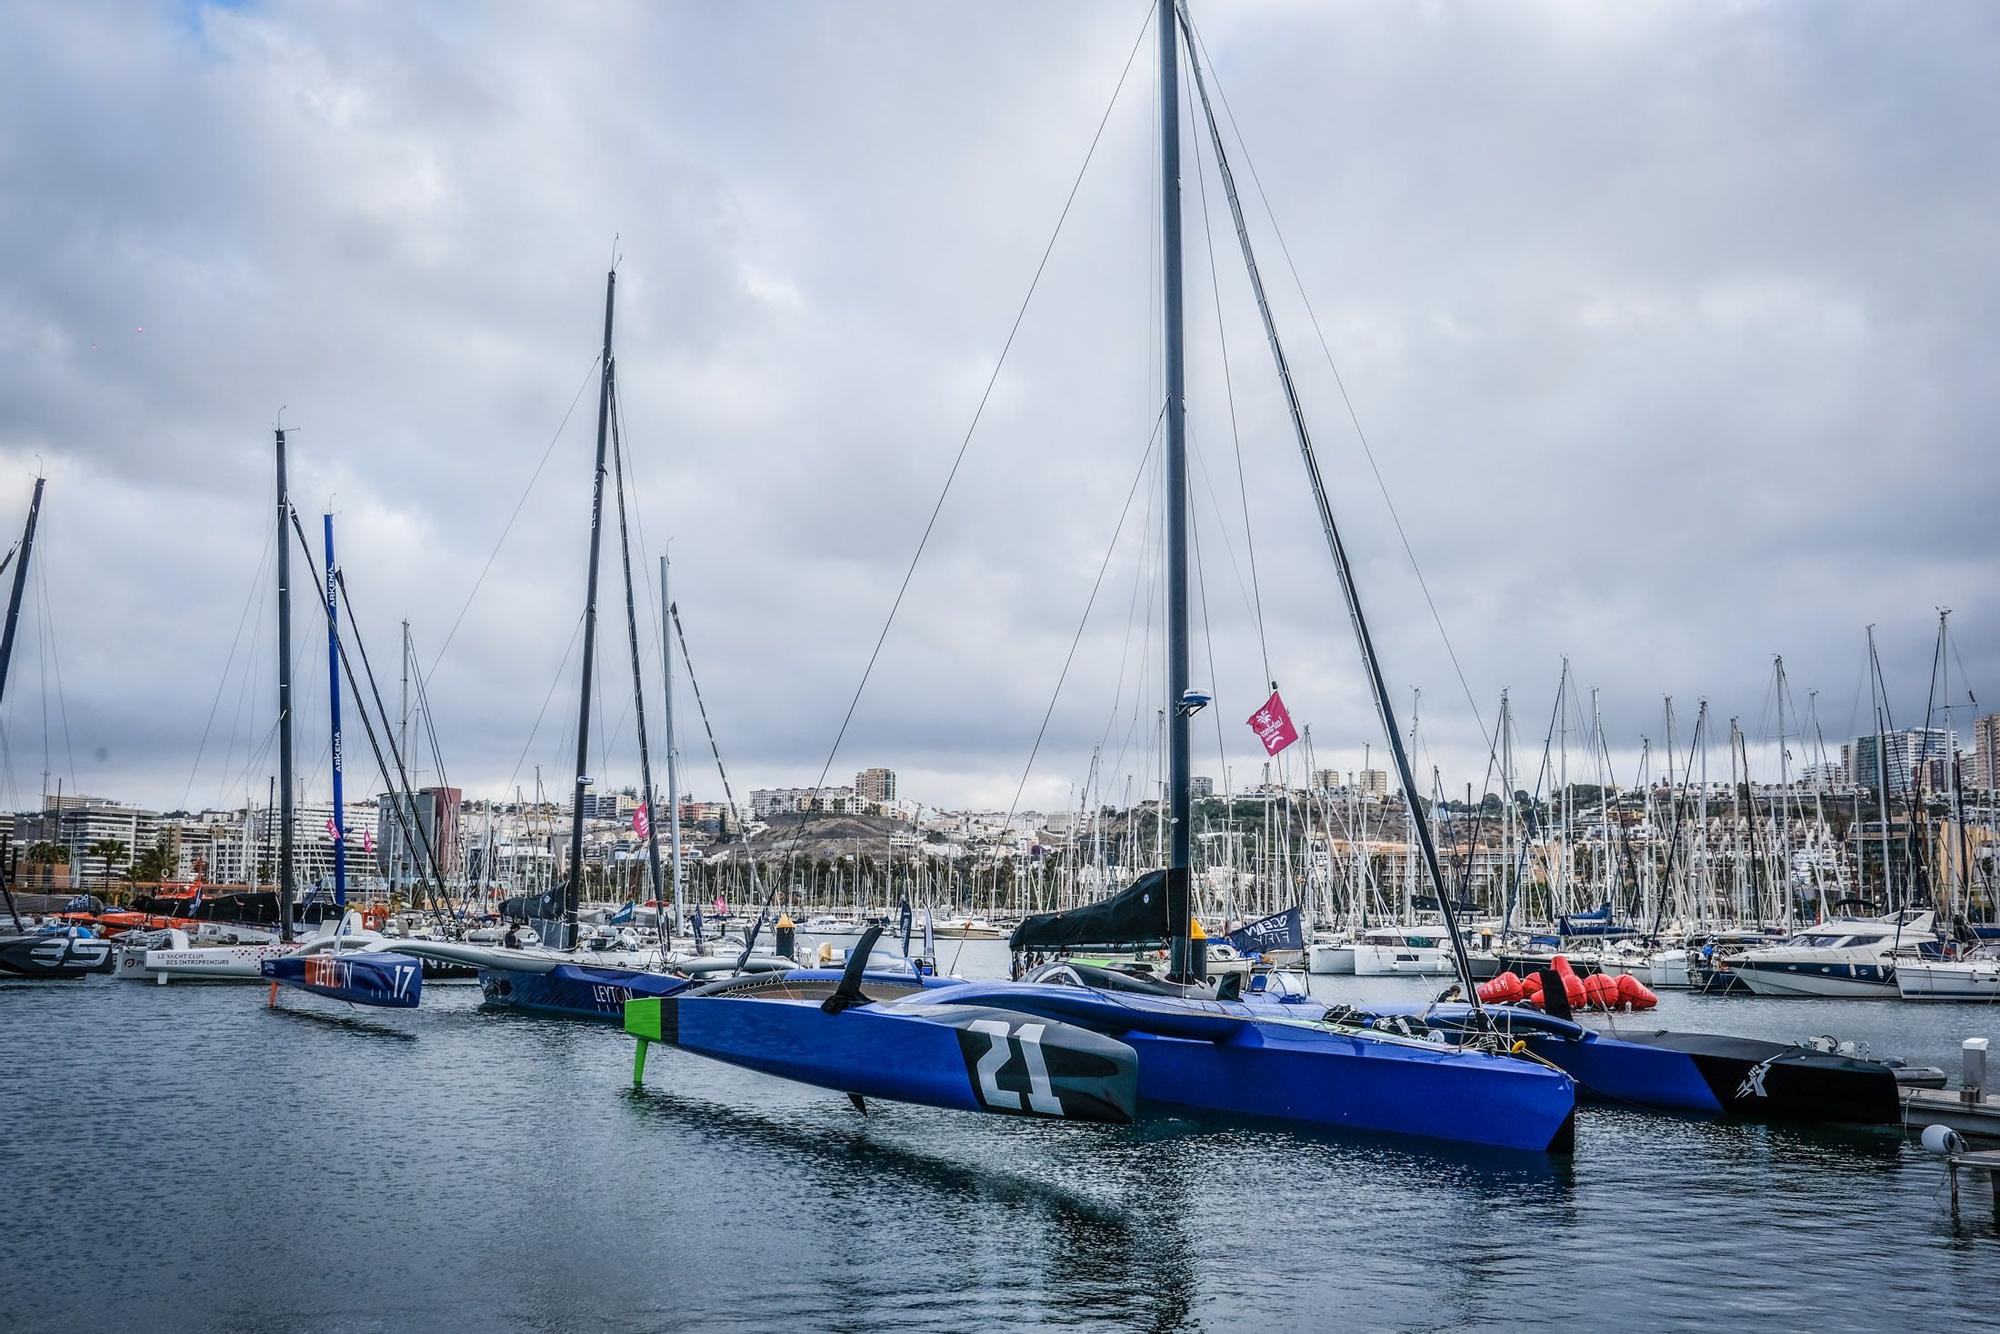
(785, 936)
(1972, 1082)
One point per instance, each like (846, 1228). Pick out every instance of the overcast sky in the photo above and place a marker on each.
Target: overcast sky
(1672, 328)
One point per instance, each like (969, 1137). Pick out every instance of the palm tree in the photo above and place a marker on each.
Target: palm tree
(111, 850)
(48, 856)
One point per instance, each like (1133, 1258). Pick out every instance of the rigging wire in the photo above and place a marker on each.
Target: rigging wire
(55, 658)
(985, 396)
(1352, 415)
(1229, 393)
(562, 669)
(222, 682)
(958, 459)
(526, 491)
(1082, 623)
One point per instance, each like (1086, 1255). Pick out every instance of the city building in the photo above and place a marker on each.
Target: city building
(1200, 788)
(432, 819)
(1373, 783)
(87, 828)
(766, 801)
(1910, 752)
(1982, 762)
(875, 784)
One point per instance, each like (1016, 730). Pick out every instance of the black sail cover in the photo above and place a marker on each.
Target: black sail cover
(1144, 913)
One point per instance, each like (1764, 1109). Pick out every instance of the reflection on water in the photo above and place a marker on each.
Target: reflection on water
(184, 1158)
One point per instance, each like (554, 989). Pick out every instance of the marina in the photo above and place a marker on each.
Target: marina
(1597, 962)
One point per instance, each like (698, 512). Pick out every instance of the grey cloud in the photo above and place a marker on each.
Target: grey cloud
(1670, 327)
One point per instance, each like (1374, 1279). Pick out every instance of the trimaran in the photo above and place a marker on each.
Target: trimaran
(1097, 1047)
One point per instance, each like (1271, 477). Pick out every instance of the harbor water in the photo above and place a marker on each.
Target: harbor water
(184, 1158)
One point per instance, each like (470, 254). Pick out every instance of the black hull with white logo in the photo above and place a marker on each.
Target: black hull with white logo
(54, 956)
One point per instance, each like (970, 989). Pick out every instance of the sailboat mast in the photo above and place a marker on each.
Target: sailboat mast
(673, 752)
(403, 747)
(20, 585)
(333, 707)
(573, 886)
(1881, 766)
(284, 703)
(1179, 750)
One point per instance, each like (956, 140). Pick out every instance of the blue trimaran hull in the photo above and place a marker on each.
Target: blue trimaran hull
(575, 991)
(1009, 1047)
(362, 977)
(580, 991)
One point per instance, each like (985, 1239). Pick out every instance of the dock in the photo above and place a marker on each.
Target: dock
(1984, 1160)
(1944, 1107)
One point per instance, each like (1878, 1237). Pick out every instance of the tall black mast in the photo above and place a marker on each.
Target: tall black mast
(284, 702)
(20, 585)
(574, 884)
(1179, 875)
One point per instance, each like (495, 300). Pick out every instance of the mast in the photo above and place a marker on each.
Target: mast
(673, 753)
(333, 706)
(20, 585)
(1179, 749)
(402, 745)
(284, 703)
(1335, 547)
(574, 884)
(1881, 767)
(1784, 797)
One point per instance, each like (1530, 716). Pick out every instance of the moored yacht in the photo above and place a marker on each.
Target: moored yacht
(1390, 951)
(1854, 957)
(1973, 976)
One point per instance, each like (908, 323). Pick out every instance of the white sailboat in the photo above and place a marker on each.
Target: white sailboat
(1974, 976)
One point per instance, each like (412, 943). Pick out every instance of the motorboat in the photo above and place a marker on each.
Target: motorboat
(967, 928)
(1852, 957)
(826, 926)
(1395, 951)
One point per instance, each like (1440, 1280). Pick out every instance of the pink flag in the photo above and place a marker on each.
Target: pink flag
(1273, 725)
(721, 908)
(331, 832)
(367, 841)
(641, 824)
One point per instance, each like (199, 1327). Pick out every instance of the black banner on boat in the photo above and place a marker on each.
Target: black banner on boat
(1142, 914)
(1279, 931)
